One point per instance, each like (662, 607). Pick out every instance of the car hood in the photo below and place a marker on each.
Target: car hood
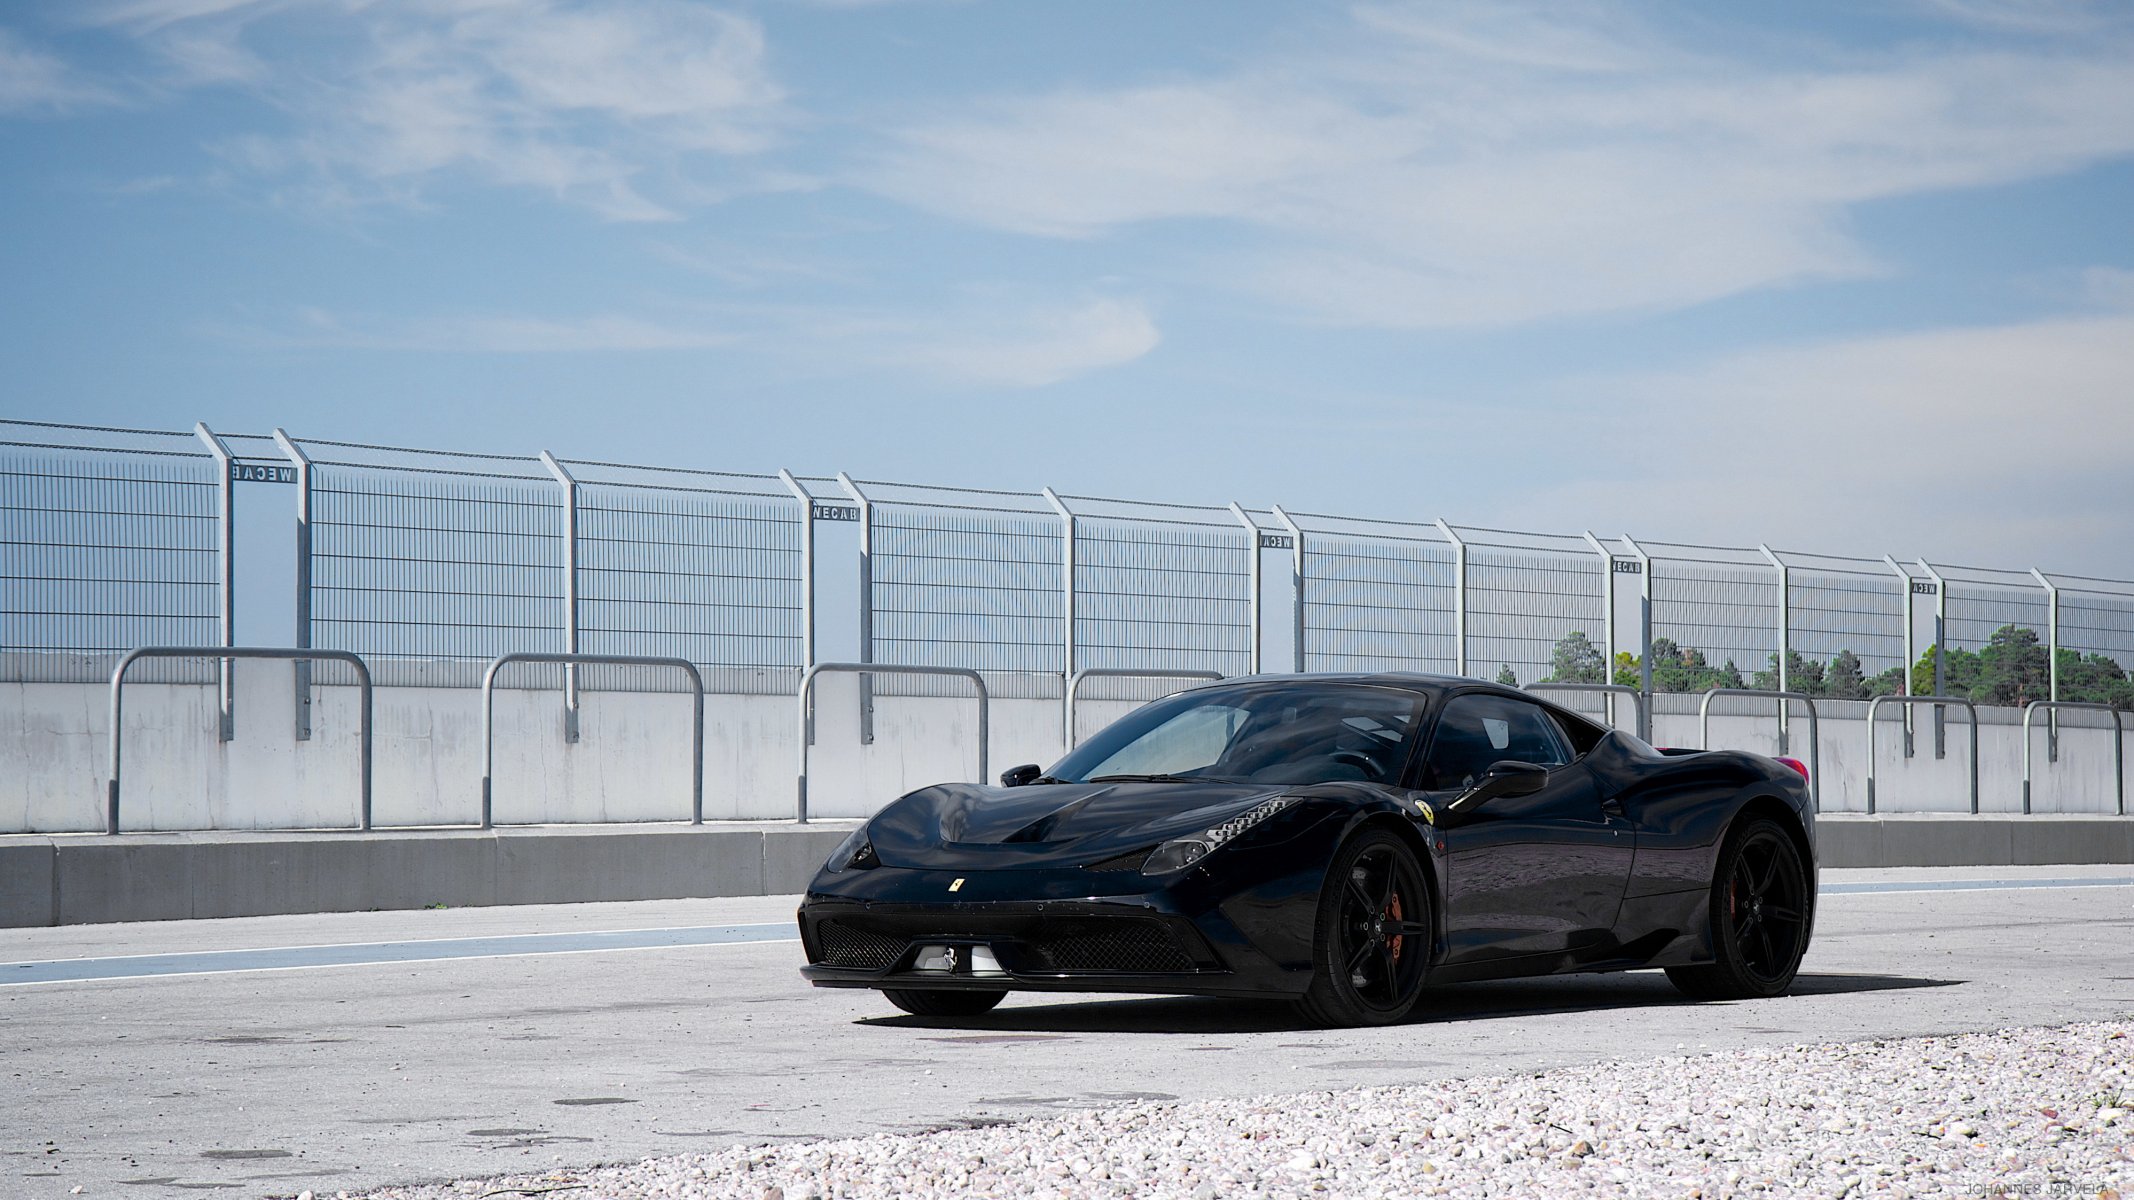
(961, 826)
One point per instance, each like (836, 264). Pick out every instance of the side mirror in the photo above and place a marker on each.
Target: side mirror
(1507, 778)
(1020, 776)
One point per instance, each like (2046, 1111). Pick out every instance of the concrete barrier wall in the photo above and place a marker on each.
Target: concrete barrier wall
(2081, 782)
(630, 763)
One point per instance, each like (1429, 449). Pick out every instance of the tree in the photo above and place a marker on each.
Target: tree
(1628, 669)
(1505, 676)
(1888, 683)
(1845, 680)
(2094, 679)
(1959, 671)
(1802, 675)
(1575, 660)
(2012, 669)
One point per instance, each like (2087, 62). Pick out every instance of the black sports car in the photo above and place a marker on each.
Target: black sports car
(1340, 840)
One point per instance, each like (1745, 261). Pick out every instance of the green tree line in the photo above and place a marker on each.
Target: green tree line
(2012, 669)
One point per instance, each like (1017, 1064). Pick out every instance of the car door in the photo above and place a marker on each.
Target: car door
(1536, 874)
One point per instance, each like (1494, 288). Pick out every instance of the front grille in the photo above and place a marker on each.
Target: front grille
(1140, 947)
(857, 949)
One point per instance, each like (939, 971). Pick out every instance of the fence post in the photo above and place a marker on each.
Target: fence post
(226, 579)
(1941, 655)
(1911, 652)
(807, 583)
(1067, 647)
(1785, 648)
(1459, 597)
(2052, 651)
(1252, 584)
(302, 667)
(570, 591)
(1296, 581)
(866, 598)
(1607, 620)
(1644, 636)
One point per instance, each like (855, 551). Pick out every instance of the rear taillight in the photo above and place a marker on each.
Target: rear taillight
(1796, 764)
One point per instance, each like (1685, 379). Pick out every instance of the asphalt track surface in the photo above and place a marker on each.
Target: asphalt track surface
(266, 1056)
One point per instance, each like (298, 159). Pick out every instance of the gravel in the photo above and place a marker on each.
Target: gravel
(2019, 1113)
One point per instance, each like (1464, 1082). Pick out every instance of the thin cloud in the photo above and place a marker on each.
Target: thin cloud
(1463, 169)
(604, 106)
(485, 334)
(1998, 444)
(33, 80)
(1032, 349)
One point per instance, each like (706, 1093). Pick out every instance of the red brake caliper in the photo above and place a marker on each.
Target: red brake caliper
(1393, 911)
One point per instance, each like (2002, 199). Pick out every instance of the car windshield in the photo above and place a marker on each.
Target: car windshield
(1267, 733)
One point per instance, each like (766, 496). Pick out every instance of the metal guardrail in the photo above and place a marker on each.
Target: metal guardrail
(1074, 687)
(225, 653)
(1637, 698)
(2119, 749)
(1815, 736)
(807, 691)
(1879, 701)
(696, 726)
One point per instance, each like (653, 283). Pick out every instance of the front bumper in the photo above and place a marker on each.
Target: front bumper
(1149, 941)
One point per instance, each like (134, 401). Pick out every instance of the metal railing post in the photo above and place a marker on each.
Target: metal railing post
(866, 602)
(1074, 687)
(1637, 699)
(282, 653)
(696, 739)
(226, 578)
(864, 669)
(2119, 750)
(1459, 597)
(1815, 733)
(302, 668)
(1644, 634)
(570, 593)
(1938, 702)
(1253, 582)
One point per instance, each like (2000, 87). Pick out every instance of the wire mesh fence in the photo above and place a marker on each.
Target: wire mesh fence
(701, 565)
(1378, 595)
(1527, 592)
(966, 578)
(1160, 586)
(431, 563)
(111, 539)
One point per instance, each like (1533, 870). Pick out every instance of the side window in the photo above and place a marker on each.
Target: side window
(1478, 731)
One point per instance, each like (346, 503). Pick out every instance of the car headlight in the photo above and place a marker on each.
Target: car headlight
(1180, 853)
(855, 853)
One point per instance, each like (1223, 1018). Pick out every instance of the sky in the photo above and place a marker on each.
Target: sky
(1854, 278)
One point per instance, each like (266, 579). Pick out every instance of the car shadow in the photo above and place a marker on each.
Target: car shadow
(1447, 1003)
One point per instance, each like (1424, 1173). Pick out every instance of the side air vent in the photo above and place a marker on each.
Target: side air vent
(1129, 861)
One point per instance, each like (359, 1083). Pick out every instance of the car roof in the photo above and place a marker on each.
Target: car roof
(1417, 681)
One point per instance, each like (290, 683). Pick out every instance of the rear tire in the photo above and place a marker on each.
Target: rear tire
(1760, 907)
(1372, 946)
(942, 1002)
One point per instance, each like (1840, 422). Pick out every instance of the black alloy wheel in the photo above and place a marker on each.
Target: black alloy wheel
(1374, 934)
(1760, 908)
(943, 1002)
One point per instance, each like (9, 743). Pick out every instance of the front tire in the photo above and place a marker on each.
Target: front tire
(942, 1002)
(1759, 918)
(1372, 945)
